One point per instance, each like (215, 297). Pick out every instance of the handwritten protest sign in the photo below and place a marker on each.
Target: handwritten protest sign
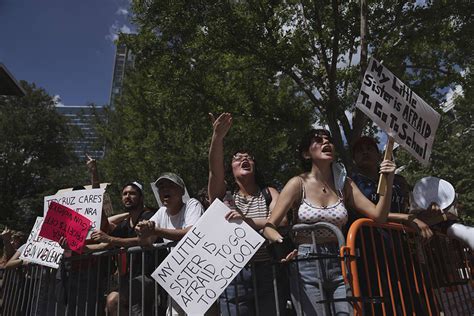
(41, 250)
(84, 202)
(61, 221)
(206, 260)
(396, 109)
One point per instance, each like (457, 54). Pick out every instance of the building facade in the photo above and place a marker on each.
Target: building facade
(82, 119)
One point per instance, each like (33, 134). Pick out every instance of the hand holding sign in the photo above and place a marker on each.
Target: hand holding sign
(206, 259)
(386, 167)
(61, 221)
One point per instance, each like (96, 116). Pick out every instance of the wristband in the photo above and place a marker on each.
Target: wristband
(268, 224)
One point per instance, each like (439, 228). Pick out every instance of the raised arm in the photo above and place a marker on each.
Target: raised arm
(8, 250)
(92, 167)
(361, 204)
(216, 185)
(14, 261)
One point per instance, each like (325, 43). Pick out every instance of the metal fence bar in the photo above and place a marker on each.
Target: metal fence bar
(441, 284)
(379, 274)
(442, 277)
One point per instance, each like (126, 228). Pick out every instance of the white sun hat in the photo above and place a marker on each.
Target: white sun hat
(173, 177)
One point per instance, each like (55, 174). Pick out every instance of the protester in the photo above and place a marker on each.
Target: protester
(434, 201)
(203, 197)
(12, 240)
(124, 235)
(175, 217)
(18, 243)
(177, 214)
(74, 289)
(367, 156)
(320, 194)
(253, 203)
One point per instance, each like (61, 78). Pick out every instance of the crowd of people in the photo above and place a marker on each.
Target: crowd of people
(322, 193)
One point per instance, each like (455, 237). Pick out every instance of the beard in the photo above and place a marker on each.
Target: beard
(130, 207)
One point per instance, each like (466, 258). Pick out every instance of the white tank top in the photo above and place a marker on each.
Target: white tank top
(335, 214)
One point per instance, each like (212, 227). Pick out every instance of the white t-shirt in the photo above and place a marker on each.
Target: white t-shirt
(187, 216)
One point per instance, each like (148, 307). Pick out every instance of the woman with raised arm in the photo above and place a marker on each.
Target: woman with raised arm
(322, 194)
(252, 203)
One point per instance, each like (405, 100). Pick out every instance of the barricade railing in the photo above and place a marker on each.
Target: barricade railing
(389, 271)
(393, 272)
(82, 285)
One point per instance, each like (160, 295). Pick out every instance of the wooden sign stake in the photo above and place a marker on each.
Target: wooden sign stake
(382, 187)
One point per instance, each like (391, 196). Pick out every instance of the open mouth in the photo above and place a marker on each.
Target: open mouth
(327, 149)
(246, 165)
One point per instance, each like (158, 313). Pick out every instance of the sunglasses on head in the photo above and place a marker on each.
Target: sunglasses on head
(319, 138)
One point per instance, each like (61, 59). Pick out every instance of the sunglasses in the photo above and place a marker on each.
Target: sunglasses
(240, 157)
(319, 138)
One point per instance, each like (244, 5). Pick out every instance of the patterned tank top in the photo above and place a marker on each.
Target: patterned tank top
(308, 213)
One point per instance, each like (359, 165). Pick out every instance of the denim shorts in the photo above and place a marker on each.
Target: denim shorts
(313, 280)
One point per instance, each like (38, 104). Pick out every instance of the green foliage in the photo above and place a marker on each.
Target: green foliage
(451, 158)
(315, 44)
(278, 66)
(34, 155)
(158, 126)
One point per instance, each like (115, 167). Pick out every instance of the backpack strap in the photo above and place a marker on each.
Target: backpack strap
(267, 196)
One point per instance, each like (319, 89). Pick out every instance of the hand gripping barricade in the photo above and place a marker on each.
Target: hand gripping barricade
(392, 272)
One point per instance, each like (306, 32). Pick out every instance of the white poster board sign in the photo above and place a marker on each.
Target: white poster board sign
(397, 110)
(41, 250)
(207, 259)
(85, 202)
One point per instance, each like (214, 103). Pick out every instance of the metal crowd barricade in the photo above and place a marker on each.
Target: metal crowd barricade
(393, 272)
(389, 272)
(81, 285)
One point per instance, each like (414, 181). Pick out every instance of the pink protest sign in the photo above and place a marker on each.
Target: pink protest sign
(61, 221)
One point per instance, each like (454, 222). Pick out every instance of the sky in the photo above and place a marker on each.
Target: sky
(64, 46)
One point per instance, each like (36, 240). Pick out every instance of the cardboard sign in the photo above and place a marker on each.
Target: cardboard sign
(399, 111)
(41, 250)
(84, 202)
(207, 259)
(61, 221)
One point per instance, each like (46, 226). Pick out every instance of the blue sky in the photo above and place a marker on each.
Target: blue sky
(63, 46)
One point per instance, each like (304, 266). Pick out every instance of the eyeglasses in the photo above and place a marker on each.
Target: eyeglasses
(240, 157)
(319, 138)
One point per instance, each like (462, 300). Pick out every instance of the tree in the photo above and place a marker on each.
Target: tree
(452, 152)
(223, 55)
(34, 154)
(316, 44)
(161, 121)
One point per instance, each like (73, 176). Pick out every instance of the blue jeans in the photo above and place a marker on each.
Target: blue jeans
(239, 296)
(315, 280)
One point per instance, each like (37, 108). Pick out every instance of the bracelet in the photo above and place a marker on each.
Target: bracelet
(445, 217)
(268, 224)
